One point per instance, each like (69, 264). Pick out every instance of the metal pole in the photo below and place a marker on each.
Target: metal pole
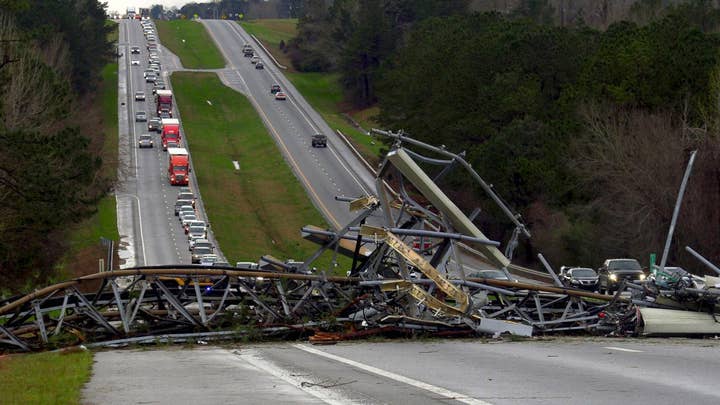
(488, 188)
(702, 259)
(677, 210)
(549, 270)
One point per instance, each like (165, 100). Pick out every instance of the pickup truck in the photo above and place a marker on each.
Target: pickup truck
(614, 271)
(319, 141)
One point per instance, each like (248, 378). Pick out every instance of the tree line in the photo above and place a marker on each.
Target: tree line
(51, 56)
(585, 132)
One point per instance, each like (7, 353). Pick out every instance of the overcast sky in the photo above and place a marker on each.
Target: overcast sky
(122, 5)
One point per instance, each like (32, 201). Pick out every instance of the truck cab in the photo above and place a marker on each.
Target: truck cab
(170, 131)
(178, 166)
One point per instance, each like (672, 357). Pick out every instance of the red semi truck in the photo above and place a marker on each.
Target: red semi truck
(178, 166)
(163, 101)
(170, 131)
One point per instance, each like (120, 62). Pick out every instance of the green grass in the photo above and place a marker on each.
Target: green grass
(259, 209)
(108, 94)
(191, 43)
(322, 90)
(270, 32)
(44, 378)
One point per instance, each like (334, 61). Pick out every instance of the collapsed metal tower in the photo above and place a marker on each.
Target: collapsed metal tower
(419, 271)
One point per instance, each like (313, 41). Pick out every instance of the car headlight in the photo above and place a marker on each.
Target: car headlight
(613, 277)
(642, 277)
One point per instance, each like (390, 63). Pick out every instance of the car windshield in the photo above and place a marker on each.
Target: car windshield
(197, 229)
(583, 273)
(180, 168)
(629, 264)
(202, 250)
(145, 137)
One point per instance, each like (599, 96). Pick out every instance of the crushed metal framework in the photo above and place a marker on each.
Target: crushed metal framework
(410, 274)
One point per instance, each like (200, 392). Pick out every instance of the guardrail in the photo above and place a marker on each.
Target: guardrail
(267, 52)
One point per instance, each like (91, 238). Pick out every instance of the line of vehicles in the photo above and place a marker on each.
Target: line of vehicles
(167, 127)
(162, 122)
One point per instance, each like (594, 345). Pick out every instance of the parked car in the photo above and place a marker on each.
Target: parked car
(139, 95)
(145, 141)
(280, 96)
(579, 277)
(274, 88)
(154, 124)
(140, 116)
(319, 141)
(614, 271)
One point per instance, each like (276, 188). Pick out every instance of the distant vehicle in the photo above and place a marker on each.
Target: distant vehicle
(579, 277)
(274, 88)
(135, 62)
(148, 72)
(179, 204)
(145, 141)
(255, 59)
(170, 131)
(489, 274)
(164, 101)
(187, 217)
(280, 96)
(208, 260)
(197, 232)
(187, 197)
(164, 115)
(140, 116)
(150, 78)
(196, 222)
(200, 243)
(259, 65)
(135, 50)
(319, 141)
(221, 264)
(155, 125)
(614, 271)
(248, 51)
(199, 252)
(139, 95)
(158, 85)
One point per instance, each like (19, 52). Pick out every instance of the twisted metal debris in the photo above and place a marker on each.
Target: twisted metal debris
(408, 276)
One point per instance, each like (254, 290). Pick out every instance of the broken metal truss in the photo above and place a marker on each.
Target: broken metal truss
(422, 270)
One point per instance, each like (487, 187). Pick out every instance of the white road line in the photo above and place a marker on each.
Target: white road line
(623, 349)
(397, 377)
(253, 358)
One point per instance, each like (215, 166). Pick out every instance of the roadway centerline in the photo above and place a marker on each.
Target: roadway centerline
(456, 396)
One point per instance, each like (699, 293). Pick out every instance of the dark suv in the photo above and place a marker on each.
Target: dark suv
(319, 141)
(613, 271)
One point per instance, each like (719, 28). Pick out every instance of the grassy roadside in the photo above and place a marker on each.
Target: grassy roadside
(321, 90)
(259, 209)
(44, 378)
(190, 41)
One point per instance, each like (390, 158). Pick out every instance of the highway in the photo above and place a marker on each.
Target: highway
(324, 172)
(150, 232)
(557, 371)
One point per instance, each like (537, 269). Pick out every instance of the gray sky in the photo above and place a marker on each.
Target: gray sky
(122, 5)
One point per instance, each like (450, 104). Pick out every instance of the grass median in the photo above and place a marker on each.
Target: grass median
(190, 41)
(260, 208)
(44, 378)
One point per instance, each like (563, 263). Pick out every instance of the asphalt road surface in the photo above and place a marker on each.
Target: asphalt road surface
(559, 371)
(150, 232)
